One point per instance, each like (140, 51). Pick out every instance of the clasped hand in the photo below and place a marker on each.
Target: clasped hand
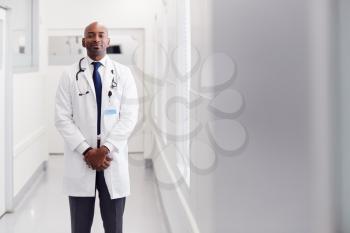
(97, 158)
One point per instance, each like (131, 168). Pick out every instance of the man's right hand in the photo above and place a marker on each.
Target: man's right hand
(97, 160)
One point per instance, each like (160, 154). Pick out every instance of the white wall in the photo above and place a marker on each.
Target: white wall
(114, 14)
(30, 119)
(30, 126)
(4, 121)
(34, 91)
(188, 209)
(343, 111)
(268, 164)
(281, 181)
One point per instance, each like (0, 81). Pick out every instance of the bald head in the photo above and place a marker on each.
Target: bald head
(92, 26)
(96, 40)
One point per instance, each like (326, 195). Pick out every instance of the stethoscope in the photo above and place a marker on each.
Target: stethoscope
(114, 83)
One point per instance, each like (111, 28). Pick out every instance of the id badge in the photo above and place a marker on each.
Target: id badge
(110, 116)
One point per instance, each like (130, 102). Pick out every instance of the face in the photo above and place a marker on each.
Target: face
(96, 40)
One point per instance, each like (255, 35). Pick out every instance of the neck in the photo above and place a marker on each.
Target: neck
(96, 57)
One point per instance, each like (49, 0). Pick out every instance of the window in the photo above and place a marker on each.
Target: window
(183, 87)
(25, 34)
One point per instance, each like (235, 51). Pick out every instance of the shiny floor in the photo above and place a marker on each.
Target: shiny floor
(46, 210)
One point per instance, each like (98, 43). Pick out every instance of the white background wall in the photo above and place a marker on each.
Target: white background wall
(282, 179)
(4, 110)
(30, 119)
(167, 158)
(343, 111)
(34, 91)
(114, 14)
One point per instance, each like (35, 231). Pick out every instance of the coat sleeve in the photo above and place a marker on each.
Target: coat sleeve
(129, 106)
(64, 114)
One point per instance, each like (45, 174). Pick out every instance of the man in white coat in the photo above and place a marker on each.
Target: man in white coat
(96, 110)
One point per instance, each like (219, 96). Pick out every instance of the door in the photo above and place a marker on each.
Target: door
(2, 111)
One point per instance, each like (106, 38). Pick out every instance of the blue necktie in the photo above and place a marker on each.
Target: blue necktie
(98, 90)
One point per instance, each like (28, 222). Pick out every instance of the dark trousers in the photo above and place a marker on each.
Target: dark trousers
(82, 210)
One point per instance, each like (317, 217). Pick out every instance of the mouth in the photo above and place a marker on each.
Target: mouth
(96, 46)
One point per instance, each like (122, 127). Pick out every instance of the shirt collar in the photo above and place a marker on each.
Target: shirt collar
(103, 61)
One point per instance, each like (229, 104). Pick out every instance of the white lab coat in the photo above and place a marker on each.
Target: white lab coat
(76, 120)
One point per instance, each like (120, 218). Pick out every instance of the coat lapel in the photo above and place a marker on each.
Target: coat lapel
(107, 79)
(88, 75)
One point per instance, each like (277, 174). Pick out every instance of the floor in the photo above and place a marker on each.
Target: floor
(46, 210)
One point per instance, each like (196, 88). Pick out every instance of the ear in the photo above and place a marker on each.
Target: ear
(83, 42)
(109, 40)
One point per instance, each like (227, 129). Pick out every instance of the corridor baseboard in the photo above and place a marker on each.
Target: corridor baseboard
(30, 185)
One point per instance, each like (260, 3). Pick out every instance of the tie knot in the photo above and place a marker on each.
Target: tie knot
(96, 64)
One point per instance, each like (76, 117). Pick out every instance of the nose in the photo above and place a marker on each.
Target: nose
(96, 38)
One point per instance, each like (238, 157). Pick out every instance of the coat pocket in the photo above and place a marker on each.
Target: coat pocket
(75, 166)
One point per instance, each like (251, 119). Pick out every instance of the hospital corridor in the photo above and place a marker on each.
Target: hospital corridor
(174, 116)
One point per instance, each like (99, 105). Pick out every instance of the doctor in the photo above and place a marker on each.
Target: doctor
(96, 110)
